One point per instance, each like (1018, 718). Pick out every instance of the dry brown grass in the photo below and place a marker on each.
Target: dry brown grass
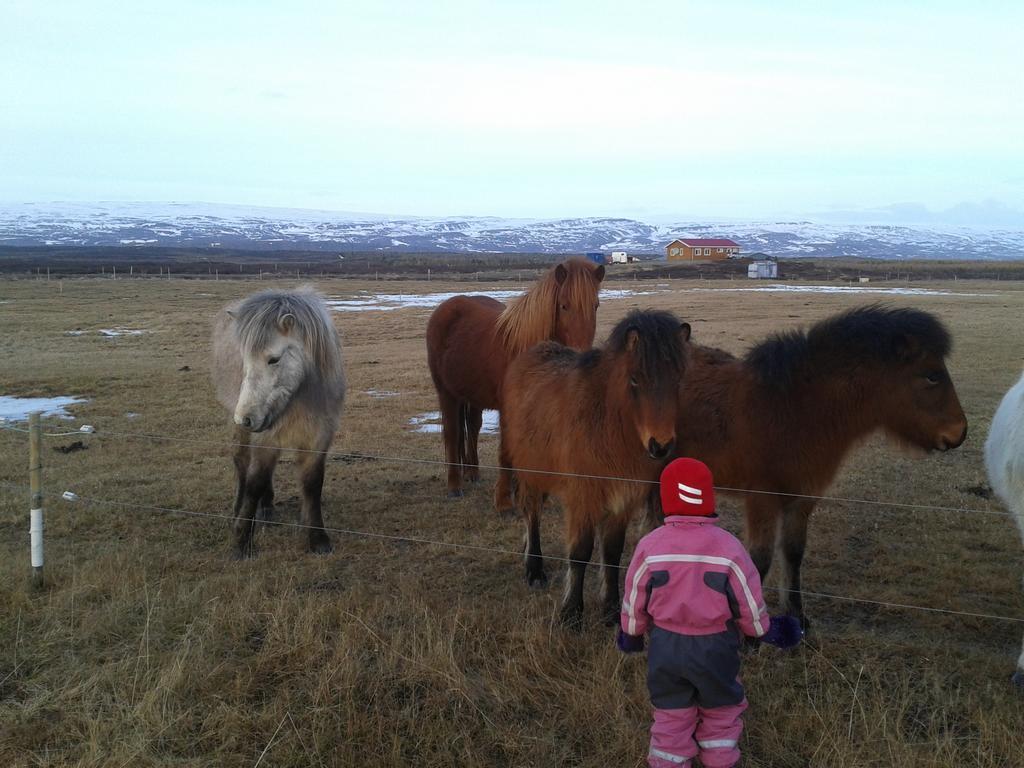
(151, 647)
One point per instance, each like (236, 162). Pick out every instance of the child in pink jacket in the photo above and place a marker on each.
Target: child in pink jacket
(693, 586)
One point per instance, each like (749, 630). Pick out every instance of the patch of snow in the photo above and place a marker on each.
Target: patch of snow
(386, 302)
(113, 332)
(379, 393)
(18, 408)
(132, 415)
(430, 422)
(835, 289)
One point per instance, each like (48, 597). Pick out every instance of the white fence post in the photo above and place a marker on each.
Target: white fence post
(35, 472)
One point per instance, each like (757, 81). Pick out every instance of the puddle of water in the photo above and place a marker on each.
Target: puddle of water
(18, 408)
(431, 422)
(386, 302)
(835, 289)
(378, 393)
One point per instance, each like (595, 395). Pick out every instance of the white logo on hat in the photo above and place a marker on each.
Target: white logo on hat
(695, 494)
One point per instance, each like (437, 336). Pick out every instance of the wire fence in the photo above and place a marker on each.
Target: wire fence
(71, 497)
(364, 456)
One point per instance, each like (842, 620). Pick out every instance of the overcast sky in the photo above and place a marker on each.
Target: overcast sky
(521, 108)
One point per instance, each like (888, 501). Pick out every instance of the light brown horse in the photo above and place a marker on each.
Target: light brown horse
(782, 419)
(608, 412)
(472, 339)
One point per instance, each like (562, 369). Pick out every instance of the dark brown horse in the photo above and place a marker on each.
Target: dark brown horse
(472, 339)
(608, 412)
(783, 418)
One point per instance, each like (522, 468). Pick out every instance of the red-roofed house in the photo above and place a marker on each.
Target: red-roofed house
(701, 249)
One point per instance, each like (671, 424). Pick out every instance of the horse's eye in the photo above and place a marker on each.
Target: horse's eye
(273, 360)
(632, 382)
(933, 378)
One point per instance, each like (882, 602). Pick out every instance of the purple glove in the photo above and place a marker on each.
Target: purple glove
(629, 643)
(783, 632)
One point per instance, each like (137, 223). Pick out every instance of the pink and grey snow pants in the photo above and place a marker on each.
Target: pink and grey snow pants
(697, 697)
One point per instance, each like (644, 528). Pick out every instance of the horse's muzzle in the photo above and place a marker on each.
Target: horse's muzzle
(658, 451)
(948, 444)
(248, 422)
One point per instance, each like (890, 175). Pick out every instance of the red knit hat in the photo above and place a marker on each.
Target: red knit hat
(687, 488)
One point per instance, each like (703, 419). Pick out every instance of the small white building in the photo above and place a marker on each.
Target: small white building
(619, 257)
(763, 269)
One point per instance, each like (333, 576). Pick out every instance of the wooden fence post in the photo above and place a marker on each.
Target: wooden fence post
(35, 472)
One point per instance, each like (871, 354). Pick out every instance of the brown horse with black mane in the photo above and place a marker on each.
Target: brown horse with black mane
(779, 422)
(472, 339)
(572, 419)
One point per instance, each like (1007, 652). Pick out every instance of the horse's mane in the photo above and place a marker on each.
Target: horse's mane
(658, 342)
(531, 319)
(870, 333)
(257, 316)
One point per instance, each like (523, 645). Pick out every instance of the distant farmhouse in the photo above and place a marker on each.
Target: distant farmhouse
(701, 250)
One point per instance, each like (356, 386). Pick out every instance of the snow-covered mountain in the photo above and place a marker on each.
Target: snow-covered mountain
(226, 226)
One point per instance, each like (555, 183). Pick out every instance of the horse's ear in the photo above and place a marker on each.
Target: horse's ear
(561, 273)
(286, 323)
(684, 331)
(632, 337)
(599, 273)
(907, 347)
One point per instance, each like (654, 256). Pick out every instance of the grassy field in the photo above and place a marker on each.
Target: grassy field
(150, 646)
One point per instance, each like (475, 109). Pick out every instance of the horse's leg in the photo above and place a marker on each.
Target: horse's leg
(762, 525)
(257, 480)
(613, 539)
(265, 511)
(1018, 676)
(503, 503)
(241, 461)
(654, 515)
(452, 431)
(474, 420)
(532, 503)
(581, 547)
(311, 478)
(794, 540)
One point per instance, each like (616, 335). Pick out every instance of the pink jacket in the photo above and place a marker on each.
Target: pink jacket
(691, 577)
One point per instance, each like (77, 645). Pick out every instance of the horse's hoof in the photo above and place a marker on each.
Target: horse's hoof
(537, 581)
(455, 493)
(572, 619)
(320, 545)
(1018, 680)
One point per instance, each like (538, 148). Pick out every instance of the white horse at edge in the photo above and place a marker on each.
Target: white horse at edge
(1004, 460)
